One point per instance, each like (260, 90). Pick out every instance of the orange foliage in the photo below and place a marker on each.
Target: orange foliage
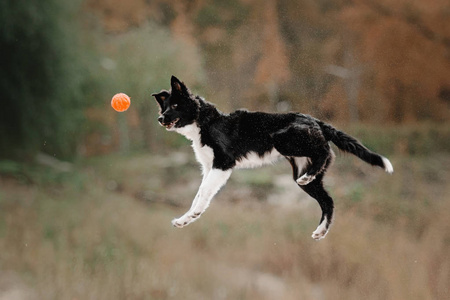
(274, 63)
(118, 16)
(404, 44)
(400, 47)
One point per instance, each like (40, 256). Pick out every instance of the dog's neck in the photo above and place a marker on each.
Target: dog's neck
(191, 131)
(207, 113)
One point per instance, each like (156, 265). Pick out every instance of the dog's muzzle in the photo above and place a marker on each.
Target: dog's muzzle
(168, 125)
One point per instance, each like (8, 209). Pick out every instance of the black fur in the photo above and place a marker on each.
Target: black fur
(232, 137)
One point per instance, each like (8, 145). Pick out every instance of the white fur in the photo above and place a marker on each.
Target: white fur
(213, 179)
(321, 230)
(387, 165)
(191, 131)
(305, 179)
(203, 154)
(300, 162)
(211, 184)
(253, 160)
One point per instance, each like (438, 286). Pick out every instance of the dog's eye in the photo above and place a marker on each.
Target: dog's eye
(174, 106)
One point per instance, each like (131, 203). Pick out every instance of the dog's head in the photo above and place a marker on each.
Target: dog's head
(178, 107)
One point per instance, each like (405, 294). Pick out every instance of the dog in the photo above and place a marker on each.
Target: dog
(244, 139)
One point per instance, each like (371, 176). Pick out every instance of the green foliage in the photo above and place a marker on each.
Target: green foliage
(41, 175)
(356, 193)
(144, 58)
(418, 139)
(140, 62)
(222, 13)
(40, 78)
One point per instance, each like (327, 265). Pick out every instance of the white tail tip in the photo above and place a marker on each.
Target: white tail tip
(387, 165)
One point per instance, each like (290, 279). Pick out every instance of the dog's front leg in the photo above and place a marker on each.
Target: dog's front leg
(206, 168)
(211, 184)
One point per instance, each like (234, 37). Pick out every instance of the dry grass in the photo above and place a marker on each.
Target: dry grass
(109, 237)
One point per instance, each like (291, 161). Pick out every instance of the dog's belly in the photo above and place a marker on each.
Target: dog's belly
(253, 160)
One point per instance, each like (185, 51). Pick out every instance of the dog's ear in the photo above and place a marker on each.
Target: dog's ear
(178, 86)
(161, 96)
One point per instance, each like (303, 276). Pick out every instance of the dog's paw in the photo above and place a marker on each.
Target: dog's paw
(181, 222)
(320, 232)
(319, 235)
(305, 179)
(186, 219)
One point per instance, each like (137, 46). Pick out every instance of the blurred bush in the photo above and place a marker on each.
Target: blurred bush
(138, 62)
(60, 70)
(41, 78)
(412, 139)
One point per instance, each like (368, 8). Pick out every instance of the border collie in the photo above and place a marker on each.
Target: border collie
(246, 139)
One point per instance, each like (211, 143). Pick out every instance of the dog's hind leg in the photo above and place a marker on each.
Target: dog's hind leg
(317, 163)
(316, 190)
(304, 141)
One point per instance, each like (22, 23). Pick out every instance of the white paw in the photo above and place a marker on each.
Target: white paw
(321, 231)
(305, 179)
(185, 220)
(318, 235)
(182, 221)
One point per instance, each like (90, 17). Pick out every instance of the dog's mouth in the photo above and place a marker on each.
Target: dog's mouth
(171, 124)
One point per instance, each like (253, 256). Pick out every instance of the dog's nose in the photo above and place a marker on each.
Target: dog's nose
(160, 119)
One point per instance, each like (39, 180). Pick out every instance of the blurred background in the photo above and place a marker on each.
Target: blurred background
(87, 194)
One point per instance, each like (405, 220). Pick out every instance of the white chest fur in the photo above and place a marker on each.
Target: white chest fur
(203, 154)
(191, 131)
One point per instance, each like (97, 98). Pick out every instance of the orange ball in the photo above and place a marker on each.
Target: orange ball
(120, 102)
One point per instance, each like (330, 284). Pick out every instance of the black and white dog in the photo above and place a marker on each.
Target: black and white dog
(246, 139)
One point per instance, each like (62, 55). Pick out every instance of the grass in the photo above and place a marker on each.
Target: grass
(103, 232)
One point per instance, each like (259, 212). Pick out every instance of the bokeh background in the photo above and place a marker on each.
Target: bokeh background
(87, 194)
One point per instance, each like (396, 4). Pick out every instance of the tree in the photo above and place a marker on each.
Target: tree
(406, 44)
(40, 78)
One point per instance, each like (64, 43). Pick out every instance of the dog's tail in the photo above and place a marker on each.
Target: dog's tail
(349, 144)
